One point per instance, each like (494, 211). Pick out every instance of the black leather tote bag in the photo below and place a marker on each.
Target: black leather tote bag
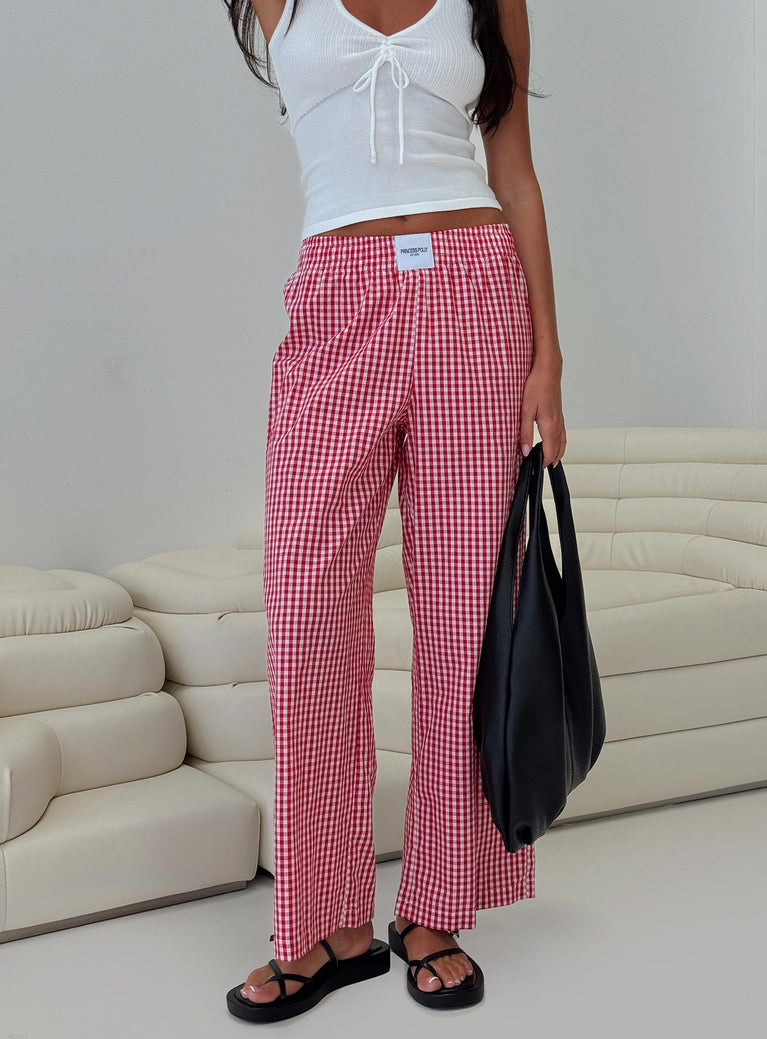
(538, 713)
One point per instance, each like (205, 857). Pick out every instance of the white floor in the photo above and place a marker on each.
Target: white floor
(652, 923)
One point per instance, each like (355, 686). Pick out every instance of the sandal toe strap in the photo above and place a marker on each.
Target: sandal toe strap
(419, 964)
(282, 976)
(278, 976)
(425, 961)
(297, 977)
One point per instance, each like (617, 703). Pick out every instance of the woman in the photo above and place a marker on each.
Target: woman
(422, 344)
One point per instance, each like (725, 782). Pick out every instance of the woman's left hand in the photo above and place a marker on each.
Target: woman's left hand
(542, 402)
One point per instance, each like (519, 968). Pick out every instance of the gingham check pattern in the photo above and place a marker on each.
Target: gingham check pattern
(383, 371)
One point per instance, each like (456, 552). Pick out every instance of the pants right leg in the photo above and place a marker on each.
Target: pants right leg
(331, 459)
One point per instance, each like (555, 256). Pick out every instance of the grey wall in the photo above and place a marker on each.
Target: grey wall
(151, 210)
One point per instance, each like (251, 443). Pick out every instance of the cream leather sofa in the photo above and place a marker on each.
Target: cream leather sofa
(672, 535)
(99, 814)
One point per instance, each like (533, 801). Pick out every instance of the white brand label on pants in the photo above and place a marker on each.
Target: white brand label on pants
(413, 250)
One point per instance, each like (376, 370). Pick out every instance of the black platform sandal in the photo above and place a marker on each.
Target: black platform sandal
(470, 991)
(331, 975)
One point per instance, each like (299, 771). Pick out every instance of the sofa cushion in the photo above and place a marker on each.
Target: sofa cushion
(94, 850)
(226, 722)
(30, 766)
(118, 741)
(70, 638)
(206, 607)
(204, 580)
(37, 602)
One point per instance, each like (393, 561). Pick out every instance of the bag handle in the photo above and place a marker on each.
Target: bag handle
(572, 579)
(519, 501)
(539, 553)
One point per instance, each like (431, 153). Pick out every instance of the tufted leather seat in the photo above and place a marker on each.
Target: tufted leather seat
(99, 813)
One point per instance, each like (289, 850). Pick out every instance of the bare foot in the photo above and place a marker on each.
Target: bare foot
(420, 942)
(345, 942)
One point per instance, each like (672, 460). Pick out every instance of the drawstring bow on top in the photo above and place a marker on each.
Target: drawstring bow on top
(400, 79)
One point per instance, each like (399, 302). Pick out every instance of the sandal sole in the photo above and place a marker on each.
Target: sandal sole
(371, 964)
(467, 994)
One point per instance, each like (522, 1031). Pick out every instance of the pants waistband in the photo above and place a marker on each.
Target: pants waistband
(448, 244)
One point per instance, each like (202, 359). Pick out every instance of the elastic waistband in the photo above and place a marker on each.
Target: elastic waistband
(448, 244)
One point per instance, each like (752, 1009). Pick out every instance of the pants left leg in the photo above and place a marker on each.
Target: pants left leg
(457, 474)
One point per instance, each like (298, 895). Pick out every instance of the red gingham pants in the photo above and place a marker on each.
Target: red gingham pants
(383, 371)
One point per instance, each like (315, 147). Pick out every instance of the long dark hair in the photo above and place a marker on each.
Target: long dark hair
(495, 99)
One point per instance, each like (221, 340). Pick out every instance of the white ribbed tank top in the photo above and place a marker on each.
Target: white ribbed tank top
(381, 124)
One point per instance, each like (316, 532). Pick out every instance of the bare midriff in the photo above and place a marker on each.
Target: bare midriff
(416, 223)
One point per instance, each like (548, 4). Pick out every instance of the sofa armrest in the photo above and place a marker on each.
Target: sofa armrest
(30, 767)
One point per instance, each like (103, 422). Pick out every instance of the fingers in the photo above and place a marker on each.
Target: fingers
(553, 448)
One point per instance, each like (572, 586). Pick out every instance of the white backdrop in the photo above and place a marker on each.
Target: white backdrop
(151, 210)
